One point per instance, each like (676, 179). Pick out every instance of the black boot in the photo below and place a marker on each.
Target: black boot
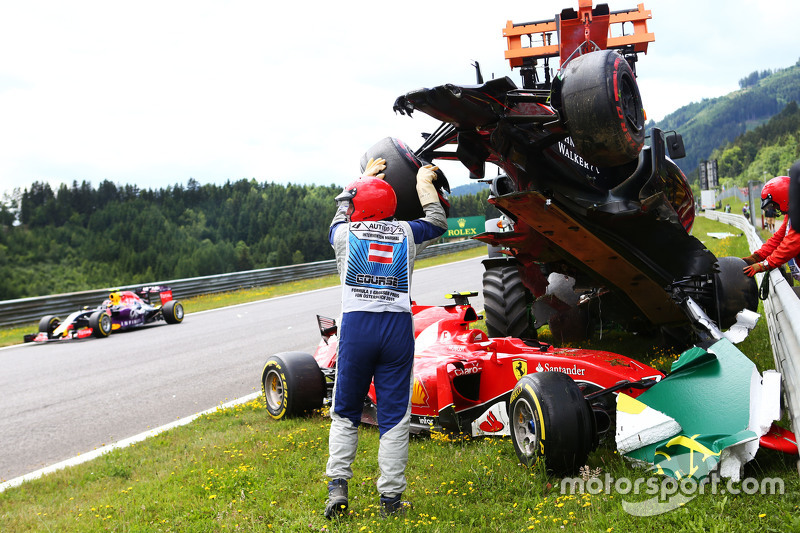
(394, 506)
(337, 498)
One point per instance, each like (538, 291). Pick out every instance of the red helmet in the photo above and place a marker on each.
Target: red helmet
(776, 190)
(370, 199)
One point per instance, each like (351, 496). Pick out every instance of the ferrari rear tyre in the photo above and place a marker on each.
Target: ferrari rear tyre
(100, 323)
(173, 312)
(48, 324)
(603, 108)
(292, 384)
(551, 420)
(507, 303)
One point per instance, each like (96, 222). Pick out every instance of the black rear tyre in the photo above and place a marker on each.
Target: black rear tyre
(292, 384)
(734, 291)
(601, 102)
(401, 173)
(551, 420)
(172, 312)
(507, 303)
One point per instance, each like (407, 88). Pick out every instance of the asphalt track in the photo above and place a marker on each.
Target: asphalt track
(63, 399)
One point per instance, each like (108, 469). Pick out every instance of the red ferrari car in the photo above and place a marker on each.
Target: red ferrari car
(465, 382)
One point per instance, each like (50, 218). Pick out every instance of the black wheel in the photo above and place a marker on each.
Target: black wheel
(100, 323)
(49, 323)
(734, 291)
(507, 303)
(551, 420)
(292, 384)
(401, 174)
(601, 102)
(173, 312)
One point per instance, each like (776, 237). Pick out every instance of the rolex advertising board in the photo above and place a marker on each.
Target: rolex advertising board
(464, 227)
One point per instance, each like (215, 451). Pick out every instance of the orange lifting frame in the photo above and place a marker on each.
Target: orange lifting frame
(516, 53)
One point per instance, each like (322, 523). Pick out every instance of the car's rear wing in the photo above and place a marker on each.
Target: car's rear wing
(327, 327)
(164, 293)
(585, 30)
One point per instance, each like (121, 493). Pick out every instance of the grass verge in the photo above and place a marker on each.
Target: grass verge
(238, 470)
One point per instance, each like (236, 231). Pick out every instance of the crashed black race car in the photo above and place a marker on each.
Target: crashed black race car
(121, 311)
(585, 198)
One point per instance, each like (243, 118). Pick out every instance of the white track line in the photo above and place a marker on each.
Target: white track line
(119, 444)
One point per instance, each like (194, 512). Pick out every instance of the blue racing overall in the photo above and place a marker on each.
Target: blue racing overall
(375, 260)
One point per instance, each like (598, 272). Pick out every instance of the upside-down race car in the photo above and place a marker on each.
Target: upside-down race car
(465, 382)
(122, 310)
(585, 196)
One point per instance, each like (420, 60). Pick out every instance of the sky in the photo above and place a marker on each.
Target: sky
(153, 93)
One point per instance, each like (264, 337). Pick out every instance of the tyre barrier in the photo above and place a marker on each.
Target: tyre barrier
(782, 311)
(30, 310)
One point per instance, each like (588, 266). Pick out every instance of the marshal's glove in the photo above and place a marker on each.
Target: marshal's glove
(343, 205)
(754, 258)
(755, 268)
(425, 189)
(374, 166)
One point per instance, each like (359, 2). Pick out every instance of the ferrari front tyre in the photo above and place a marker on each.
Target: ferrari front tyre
(506, 303)
(172, 312)
(603, 108)
(48, 324)
(292, 384)
(100, 323)
(551, 420)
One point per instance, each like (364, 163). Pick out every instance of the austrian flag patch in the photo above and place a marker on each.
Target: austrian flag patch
(380, 253)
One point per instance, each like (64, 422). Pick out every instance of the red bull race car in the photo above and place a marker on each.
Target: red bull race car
(121, 311)
(466, 382)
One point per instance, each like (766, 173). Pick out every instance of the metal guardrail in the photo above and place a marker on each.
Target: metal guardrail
(28, 310)
(782, 310)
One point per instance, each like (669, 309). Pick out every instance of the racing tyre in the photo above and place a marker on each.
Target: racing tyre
(507, 303)
(603, 108)
(401, 173)
(734, 291)
(100, 323)
(551, 420)
(173, 312)
(48, 324)
(292, 384)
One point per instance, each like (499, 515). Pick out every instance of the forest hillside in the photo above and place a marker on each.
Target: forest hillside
(85, 237)
(714, 122)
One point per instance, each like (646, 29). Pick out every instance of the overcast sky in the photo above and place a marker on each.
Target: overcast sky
(154, 93)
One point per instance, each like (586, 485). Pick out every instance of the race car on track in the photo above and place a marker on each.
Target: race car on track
(122, 310)
(466, 382)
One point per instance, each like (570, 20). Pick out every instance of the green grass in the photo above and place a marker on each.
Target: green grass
(238, 470)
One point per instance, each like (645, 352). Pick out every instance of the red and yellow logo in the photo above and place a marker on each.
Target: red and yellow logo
(419, 396)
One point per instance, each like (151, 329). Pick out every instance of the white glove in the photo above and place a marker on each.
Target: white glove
(425, 189)
(374, 166)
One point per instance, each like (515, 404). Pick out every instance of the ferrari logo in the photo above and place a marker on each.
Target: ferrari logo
(520, 367)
